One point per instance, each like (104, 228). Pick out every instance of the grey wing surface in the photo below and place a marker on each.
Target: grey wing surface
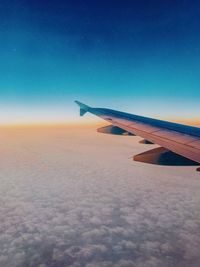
(178, 138)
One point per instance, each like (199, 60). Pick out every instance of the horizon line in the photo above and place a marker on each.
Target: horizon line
(187, 121)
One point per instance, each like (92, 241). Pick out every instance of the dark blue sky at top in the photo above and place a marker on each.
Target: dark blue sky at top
(100, 52)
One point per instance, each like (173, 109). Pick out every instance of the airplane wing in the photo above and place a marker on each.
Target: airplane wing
(181, 139)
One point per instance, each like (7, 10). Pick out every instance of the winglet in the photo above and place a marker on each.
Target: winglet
(83, 108)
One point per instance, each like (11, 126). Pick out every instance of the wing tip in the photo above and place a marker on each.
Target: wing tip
(83, 108)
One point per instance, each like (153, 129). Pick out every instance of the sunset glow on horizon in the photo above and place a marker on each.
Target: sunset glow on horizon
(137, 57)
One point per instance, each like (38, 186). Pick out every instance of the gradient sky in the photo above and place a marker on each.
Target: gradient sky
(138, 56)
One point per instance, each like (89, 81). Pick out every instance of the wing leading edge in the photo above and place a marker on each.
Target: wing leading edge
(178, 138)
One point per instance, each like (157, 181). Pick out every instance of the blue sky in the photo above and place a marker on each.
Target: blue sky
(138, 56)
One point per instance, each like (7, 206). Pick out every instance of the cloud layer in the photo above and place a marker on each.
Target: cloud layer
(72, 197)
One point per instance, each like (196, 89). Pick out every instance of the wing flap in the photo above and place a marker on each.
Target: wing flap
(124, 122)
(195, 144)
(178, 137)
(144, 127)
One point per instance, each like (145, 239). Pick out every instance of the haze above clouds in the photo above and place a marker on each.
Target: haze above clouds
(73, 197)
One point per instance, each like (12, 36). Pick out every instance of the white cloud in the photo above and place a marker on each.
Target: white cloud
(59, 207)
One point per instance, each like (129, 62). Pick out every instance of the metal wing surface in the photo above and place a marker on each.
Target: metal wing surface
(178, 138)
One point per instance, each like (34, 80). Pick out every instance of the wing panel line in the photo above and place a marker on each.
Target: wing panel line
(182, 149)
